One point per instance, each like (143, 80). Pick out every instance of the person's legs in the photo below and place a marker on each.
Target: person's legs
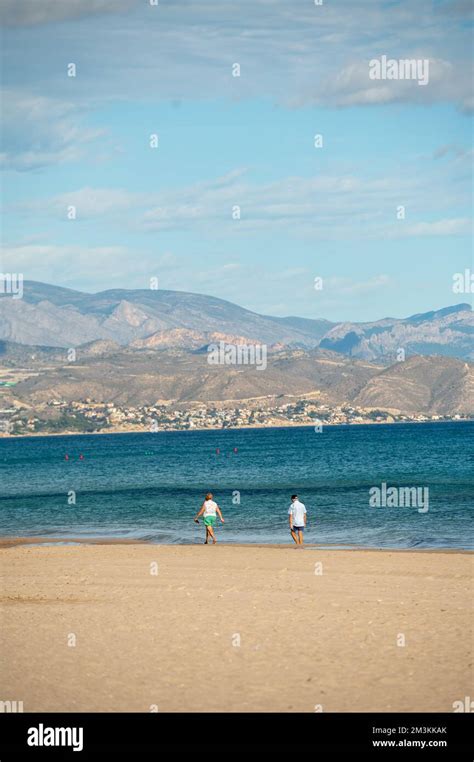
(300, 537)
(207, 534)
(293, 534)
(210, 529)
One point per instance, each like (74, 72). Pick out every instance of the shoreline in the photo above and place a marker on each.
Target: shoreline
(6, 436)
(19, 541)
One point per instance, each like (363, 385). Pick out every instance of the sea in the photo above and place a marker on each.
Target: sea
(149, 486)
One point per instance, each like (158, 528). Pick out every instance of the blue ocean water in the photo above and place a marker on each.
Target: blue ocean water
(149, 486)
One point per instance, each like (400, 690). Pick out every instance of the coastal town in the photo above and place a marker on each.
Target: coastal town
(89, 416)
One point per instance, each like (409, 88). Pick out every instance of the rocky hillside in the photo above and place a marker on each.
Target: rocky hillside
(53, 316)
(58, 317)
(104, 372)
(449, 331)
(440, 385)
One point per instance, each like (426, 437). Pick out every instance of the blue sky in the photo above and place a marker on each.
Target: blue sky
(246, 141)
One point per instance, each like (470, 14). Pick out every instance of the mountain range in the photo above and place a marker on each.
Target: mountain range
(53, 316)
(138, 348)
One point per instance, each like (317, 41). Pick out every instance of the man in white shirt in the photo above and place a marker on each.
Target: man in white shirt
(297, 519)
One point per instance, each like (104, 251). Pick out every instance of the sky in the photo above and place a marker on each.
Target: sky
(237, 199)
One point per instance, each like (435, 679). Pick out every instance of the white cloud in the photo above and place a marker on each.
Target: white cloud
(70, 264)
(352, 85)
(346, 286)
(324, 207)
(90, 203)
(295, 53)
(34, 12)
(38, 131)
(447, 227)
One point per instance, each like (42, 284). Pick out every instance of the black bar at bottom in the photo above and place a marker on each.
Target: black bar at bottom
(31, 735)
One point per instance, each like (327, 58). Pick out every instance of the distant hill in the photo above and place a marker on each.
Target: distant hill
(449, 332)
(52, 316)
(441, 385)
(131, 376)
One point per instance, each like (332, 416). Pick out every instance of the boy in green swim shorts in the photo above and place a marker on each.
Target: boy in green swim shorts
(209, 511)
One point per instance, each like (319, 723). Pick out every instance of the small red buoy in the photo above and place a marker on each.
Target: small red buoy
(235, 449)
(66, 457)
(218, 452)
(81, 457)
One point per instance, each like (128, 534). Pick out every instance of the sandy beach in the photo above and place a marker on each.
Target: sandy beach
(136, 627)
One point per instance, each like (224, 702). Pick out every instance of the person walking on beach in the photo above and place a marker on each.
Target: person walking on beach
(297, 519)
(209, 511)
